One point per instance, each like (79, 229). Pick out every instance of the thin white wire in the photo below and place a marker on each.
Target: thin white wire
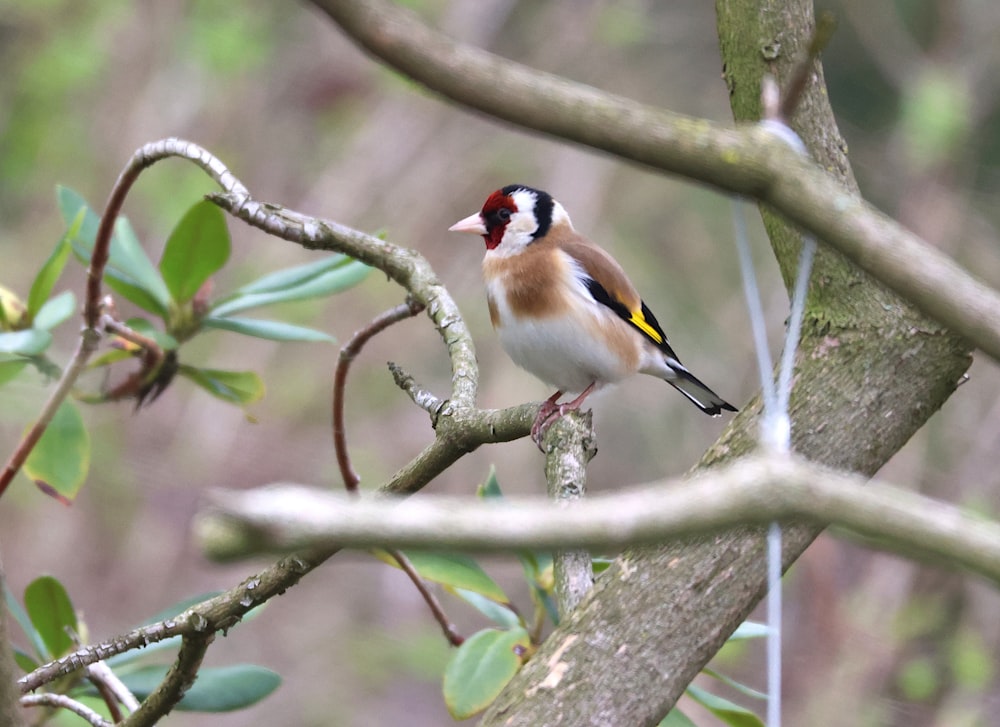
(774, 610)
(776, 424)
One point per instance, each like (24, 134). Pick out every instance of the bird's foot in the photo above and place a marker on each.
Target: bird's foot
(550, 411)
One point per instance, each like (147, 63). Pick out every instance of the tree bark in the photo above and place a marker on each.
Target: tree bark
(11, 714)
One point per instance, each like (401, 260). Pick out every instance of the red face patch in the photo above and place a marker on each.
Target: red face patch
(496, 214)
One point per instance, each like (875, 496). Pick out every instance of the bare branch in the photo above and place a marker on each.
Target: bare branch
(107, 681)
(447, 627)
(61, 701)
(753, 490)
(347, 355)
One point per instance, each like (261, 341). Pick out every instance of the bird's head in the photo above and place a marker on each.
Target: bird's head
(514, 217)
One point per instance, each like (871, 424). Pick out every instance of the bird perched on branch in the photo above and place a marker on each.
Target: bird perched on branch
(564, 309)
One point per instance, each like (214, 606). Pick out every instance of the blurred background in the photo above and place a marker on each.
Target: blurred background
(308, 121)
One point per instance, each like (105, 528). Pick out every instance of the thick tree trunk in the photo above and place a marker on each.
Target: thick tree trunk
(870, 371)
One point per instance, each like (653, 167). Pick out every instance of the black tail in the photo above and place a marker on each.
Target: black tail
(699, 394)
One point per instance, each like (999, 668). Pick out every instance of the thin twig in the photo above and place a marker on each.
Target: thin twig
(420, 396)
(450, 632)
(48, 699)
(102, 676)
(347, 355)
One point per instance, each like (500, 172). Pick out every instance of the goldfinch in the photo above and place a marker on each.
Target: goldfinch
(564, 309)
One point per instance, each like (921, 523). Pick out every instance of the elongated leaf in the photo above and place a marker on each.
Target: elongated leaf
(131, 259)
(59, 462)
(21, 616)
(196, 249)
(271, 330)
(480, 669)
(70, 203)
(340, 278)
(25, 343)
(55, 310)
(51, 613)
(490, 489)
(451, 570)
(129, 272)
(749, 630)
(25, 661)
(676, 718)
(291, 277)
(236, 387)
(729, 712)
(52, 268)
(10, 369)
(496, 612)
(217, 689)
(741, 688)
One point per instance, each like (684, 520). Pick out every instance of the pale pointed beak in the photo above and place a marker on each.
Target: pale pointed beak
(472, 224)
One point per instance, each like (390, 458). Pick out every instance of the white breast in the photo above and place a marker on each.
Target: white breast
(569, 351)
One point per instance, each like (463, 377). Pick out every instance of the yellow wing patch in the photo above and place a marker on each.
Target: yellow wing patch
(639, 321)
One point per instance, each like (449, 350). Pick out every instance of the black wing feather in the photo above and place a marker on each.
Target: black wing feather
(602, 296)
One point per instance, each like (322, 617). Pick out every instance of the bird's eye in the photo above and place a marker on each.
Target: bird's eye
(503, 214)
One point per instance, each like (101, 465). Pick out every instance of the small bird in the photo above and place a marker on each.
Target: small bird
(564, 309)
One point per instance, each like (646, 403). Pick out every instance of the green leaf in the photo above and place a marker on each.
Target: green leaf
(451, 570)
(217, 689)
(55, 311)
(293, 277)
(70, 205)
(59, 462)
(750, 630)
(333, 281)
(741, 688)
(271, 330)
(676, 718)
(236, 387)
(11, 368)
(197, 248)
(490, 489)
(729, 712)
(51, 613)
(129, 271)
(46, 279)
(128, 256)
(480, 669)
(31, 342)
(497, 612)
(24, 660)
(21, 616)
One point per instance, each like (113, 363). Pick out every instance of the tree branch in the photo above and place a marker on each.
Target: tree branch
(752, 490)
(569, 446)
(180, 677)
(61, 701)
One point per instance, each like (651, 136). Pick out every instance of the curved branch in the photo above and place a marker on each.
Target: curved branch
(61, 701)
(746, 161)
(752, 491)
